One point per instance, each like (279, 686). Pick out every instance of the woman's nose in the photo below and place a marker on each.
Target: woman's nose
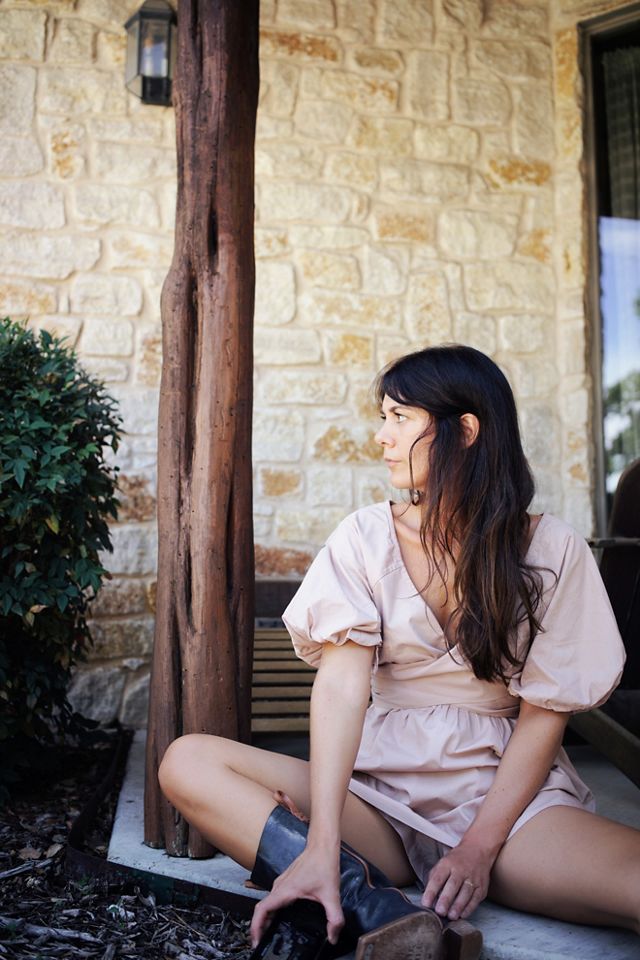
(381, 437)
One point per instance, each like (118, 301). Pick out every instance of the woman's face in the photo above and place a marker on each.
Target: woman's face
(402, 426)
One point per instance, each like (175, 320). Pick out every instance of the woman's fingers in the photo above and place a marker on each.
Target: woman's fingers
(437, 879)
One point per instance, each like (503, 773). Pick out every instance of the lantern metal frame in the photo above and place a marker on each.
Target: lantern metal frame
(151, 81)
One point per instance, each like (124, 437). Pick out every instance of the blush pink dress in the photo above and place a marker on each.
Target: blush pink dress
(434, 734)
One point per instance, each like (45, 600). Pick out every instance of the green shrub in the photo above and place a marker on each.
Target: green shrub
(56, 493)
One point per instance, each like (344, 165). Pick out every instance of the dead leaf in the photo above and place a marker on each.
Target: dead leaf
(29, 853)
(53, 849)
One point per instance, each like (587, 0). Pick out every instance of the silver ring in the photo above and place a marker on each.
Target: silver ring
(470, 882)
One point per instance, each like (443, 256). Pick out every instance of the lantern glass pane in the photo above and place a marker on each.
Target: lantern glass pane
(154, 49)
(133, 40)
(174, 50)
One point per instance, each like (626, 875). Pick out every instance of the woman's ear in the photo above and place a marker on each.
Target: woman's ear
(470, 428)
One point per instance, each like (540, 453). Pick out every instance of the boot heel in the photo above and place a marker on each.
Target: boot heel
(417, 936)
(462, 941)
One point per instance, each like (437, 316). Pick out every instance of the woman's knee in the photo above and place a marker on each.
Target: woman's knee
(183, 756)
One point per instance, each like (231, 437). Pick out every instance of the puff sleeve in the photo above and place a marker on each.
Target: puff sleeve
(335, 602)
(576, 659)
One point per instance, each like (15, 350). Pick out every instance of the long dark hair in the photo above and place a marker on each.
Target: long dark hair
(476, 498)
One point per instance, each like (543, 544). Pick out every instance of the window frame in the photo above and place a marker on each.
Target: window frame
(599, 28)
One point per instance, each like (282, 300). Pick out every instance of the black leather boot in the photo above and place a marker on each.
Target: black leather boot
(385, 924)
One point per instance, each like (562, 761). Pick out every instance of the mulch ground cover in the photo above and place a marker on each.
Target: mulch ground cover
(46, 913)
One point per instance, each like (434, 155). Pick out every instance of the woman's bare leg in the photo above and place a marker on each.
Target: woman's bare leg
(573, 865)
(225, 789)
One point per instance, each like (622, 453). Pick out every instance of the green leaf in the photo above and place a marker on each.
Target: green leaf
(53, 523)
(19, 471)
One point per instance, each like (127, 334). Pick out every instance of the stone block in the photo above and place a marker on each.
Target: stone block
(119, 597)
(477, 234)
(289, 161)
(536, 244)
(98, 203)
(20, 157)
(387, 63)
(427, 84)
(22, 34)
(55, 256)
(304, 47)
(435, 183)
(323, 121)
(356, 18)
(20, 298)
(137, 452)
(476, 331)
(307, 526)
(479, 103)
(66, 143)
(110, 338)
(277, 436)
(73, 42)
(279, 482)
(275, 293)
(534, 115)
(523, 18)
(507, 171)
(540, 433)
(301, 201)
(39, 206)
(338, 445)
(366, 94)
(468, 14)
(509, 286)
(278, 88)
(108, 371)
(329, 486)
(270, 242)
(327, 237)
(131, 637)
(406, 21)
(412, 224)
(529, 60)
(372, 488)
(348, 349)
(572, 348)
(272, 128)
(428, 312)
(127, 163)
(149, 356)
(316, 14)
(355, 170)
(61, 326)
(385, 270)
(362, 400)
(135, 549)
(281, 346)
(135, 702)
(321, 309)
(302, 386)
(281, 561)
(566, 77)
(138, 408)
(336, 271)
(146, 129)
(524, 333)
(111, 12)
(17, 99)
(95, 692)
(534, 376)
(446, 144)
(132, 249)
(106, 294)
(73, 91)
(388, 136)
(111, 48)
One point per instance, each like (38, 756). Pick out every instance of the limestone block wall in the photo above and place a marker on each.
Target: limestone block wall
(418, 180)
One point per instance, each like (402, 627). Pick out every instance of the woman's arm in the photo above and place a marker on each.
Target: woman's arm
(460, 880)
(338, 703)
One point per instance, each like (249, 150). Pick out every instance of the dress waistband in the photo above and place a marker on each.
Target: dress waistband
(420, 692)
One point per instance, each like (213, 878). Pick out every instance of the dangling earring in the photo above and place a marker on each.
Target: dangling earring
(416, 497)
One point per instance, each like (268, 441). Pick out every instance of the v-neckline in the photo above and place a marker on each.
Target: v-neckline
(398, 550)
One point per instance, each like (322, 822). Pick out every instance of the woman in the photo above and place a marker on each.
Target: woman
(478, 629)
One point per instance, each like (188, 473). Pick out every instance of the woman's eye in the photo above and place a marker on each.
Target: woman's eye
(400, 417)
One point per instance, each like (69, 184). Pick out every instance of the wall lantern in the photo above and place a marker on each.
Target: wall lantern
(151, 52)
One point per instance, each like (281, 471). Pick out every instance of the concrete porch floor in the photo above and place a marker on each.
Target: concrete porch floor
(508, 935)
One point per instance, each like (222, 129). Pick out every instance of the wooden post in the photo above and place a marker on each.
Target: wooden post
(201, 674)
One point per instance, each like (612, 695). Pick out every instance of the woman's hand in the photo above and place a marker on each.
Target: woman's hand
(459, 881)
(314, 875)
